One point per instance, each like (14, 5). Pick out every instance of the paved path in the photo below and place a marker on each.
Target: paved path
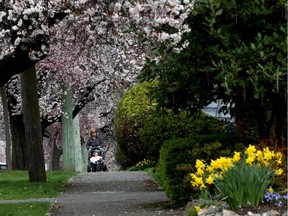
(112, 194)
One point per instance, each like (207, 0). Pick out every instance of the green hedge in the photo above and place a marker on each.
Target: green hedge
(178, 157)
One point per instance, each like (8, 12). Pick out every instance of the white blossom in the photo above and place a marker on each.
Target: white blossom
(15, 28)
(117, 7)
(17, 41)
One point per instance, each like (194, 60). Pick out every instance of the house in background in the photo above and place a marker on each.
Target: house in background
(213, 110)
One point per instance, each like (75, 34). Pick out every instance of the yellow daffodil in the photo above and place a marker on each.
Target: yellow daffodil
(199, 181)
(265, 163)
(250, 160)
(222, 163)
(209, 180)
(278, 156)
(259, 155)
(202, 186)
(209, 169)
(193, 176)
(194, 184)
(217, 176)
(199, 172)
(198, 208)
(236, 157)
(270, 189)
(199, 164)
(278, 172)
(196, 181)
(279, 161)
(214, 164)
(250, 150)
(226, 162)
(268, 155)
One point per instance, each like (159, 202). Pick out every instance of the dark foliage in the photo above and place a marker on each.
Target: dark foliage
(178, 157)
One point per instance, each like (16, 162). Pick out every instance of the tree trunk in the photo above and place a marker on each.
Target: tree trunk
(67, 130)
(19, 158)
(7, 129)
(55, 156)
(32, 124)
(78, 153)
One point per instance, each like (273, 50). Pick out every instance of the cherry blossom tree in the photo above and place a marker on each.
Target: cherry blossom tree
(25, 26)
(24, 30)
(29, 29)
(116, 75)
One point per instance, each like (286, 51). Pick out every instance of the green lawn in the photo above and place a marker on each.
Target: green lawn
(24, 209)
(16, 185)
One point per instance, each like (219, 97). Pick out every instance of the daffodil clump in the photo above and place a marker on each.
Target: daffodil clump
(242, 181)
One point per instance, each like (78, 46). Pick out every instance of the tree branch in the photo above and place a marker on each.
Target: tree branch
(86, 98)
(19, 60)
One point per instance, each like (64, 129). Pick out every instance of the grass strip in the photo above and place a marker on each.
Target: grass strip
(16, 185)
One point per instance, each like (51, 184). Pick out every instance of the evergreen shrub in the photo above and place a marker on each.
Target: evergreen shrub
(132, 110)
(159, 127)
(178, 157)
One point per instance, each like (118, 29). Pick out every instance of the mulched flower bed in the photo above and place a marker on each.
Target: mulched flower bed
(262, 208)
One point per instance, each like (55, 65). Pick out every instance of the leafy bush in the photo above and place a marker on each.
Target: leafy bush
(132, 110)
(154, 173)
(143, 165)
(191, 211)
(178, 156)
(159, 127)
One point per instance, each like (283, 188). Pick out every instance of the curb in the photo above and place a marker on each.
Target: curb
(50, 200)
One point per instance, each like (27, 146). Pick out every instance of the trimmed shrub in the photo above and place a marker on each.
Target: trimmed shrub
(178, 157)
(132, 110)
(159, 127)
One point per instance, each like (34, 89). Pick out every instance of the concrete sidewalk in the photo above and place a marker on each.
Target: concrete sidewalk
(112, 193)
